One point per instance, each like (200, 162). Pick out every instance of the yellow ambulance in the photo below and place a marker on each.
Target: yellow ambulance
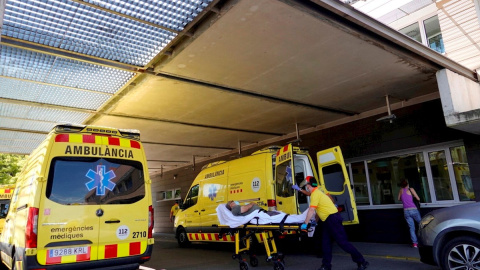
(82, 201)
(6, 192)
(266, 178)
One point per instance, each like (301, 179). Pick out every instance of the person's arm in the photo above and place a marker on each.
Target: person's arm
(414, 193)
(399, 195)
(310, 213)
(247, 207)
(305, 192)
(171, 215)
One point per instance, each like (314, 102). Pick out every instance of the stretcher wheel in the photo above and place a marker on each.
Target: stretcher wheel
(243, 265)
(234, 256)
(278, 265)
(253, 261)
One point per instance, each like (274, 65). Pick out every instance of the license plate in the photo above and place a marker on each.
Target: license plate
(59, 252)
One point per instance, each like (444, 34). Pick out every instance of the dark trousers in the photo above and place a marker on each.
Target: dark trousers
(333, 229)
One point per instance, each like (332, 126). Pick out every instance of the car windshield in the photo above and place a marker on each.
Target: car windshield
(81, 180)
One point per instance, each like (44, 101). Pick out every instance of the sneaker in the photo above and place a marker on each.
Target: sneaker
(415, 245)
(325, 268)
(363, 266)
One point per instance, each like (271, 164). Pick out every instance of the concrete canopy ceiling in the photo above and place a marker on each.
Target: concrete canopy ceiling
(249, 72)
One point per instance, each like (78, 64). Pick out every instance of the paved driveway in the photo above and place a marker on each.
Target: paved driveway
(167, 255)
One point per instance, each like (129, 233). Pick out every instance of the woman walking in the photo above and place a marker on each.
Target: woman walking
(410, 211)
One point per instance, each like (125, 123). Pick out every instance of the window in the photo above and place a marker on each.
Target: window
(168, 195)
(192, 197)
(434, 34)
(462, 174)
(83, 180)
(438, 175)
(284, 179)
(4, 205)
(360, 184)
(427, 32)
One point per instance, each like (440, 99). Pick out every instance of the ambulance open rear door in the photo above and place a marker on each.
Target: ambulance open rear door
(284, 172)
(334, 178)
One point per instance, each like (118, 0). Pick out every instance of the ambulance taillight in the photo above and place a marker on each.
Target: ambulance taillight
(150, 221)
(32, 228)
(272, 205)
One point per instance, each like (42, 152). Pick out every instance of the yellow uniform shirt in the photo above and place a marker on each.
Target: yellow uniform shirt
(174, 209)
(322, 203)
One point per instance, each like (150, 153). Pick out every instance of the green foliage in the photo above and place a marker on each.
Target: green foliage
(10, 166)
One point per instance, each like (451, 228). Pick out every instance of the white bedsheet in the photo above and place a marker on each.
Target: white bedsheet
(226, 217)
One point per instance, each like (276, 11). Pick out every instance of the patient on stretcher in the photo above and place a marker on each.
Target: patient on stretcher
(256, 216)
(245, 210)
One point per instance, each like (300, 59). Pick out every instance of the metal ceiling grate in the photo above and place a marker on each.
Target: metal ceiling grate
(34, 66)
(173, 14)
(41, 114)
(83, 29)
(15, 123)
(19, 142)
(41, 93)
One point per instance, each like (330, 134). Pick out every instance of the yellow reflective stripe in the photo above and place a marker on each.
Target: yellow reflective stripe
(76, 138)
(42, 256)
(125, 143)
(94, 252)
(98, 139)
(104, 140)
(101, 252)
(143, 246)
(69, 259)
(123, 250)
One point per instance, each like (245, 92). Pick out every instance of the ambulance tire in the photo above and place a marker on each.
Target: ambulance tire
(182, 238)
(254, 261)
(243, 265)
(278, 266)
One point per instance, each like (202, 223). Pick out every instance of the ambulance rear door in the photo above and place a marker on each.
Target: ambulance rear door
(334, 178)
(284, 172)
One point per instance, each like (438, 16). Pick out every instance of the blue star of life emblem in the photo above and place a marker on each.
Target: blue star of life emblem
(289, 174)
(100, 180)
(212, 192)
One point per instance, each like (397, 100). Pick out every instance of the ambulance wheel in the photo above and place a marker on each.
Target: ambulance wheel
(182, 238)
(254, 261)
(278, 266)
(243, 265)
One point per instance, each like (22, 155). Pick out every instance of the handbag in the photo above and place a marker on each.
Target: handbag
(415, 201)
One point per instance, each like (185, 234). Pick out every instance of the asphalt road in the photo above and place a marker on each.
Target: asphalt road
(218, 256)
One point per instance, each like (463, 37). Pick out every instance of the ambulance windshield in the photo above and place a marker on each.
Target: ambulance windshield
(80, 180)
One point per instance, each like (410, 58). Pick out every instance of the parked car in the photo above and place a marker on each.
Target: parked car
(450, 237)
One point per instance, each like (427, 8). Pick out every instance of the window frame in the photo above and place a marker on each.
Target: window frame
(425, 150)
(162, 195)
(423, 34)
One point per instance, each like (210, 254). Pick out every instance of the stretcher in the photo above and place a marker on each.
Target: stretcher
(264, 233)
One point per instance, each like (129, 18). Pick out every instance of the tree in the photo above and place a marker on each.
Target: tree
(10, 166)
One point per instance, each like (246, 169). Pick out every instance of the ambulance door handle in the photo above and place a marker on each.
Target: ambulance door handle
(280, 202)
(203, 210)
(113, 221)
(196, 211)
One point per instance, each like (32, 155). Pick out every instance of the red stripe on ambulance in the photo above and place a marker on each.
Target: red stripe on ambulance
(92, 140)
(110, 251)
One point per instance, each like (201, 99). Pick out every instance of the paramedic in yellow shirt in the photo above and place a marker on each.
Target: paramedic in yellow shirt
(332, 226)
(174, 211)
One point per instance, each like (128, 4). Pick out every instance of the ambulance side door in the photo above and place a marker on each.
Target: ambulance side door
(190, 212)
(334, 178)
(210, 196)
(284, 172)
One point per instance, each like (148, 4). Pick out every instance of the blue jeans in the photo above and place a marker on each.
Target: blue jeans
(410, 216)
